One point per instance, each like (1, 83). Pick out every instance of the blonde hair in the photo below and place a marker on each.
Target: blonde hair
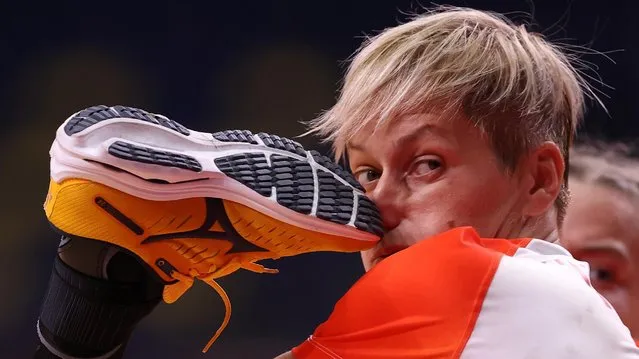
(514, 85)
(614, 165)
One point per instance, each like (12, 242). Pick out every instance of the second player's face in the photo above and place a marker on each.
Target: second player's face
(428, 174)
(601, 228)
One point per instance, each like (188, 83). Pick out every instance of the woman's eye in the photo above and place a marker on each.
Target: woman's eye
(602, 275)
(426, 166)
(367, 176)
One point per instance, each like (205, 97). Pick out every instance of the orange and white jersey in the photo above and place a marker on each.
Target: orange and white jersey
(457, 295)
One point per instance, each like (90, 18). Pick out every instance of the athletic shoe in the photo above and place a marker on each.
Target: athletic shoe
(199, 205)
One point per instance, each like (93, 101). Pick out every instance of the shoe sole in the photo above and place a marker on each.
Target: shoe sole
(154, 158)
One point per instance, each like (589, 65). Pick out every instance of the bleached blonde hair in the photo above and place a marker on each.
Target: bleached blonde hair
(517, 87)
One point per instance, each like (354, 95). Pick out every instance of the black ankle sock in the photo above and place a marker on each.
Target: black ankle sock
(86, 317)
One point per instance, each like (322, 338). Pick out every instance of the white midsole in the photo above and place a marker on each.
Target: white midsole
(69, 155)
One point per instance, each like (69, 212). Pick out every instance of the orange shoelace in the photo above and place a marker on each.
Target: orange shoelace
(174, 292)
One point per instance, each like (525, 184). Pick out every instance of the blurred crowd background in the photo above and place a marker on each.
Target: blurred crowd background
(213, 65)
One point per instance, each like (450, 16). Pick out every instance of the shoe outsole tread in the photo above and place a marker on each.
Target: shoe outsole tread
(96, 114)
(298, 185)
(131, 152)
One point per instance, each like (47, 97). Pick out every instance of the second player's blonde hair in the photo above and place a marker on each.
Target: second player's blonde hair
(614, 165)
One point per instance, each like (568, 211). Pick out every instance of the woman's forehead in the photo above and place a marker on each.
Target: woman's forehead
(399, 131)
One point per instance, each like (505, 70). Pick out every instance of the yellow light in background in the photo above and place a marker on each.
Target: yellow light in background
(272, 89)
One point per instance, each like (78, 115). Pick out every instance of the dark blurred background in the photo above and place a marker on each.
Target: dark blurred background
(258, 65)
